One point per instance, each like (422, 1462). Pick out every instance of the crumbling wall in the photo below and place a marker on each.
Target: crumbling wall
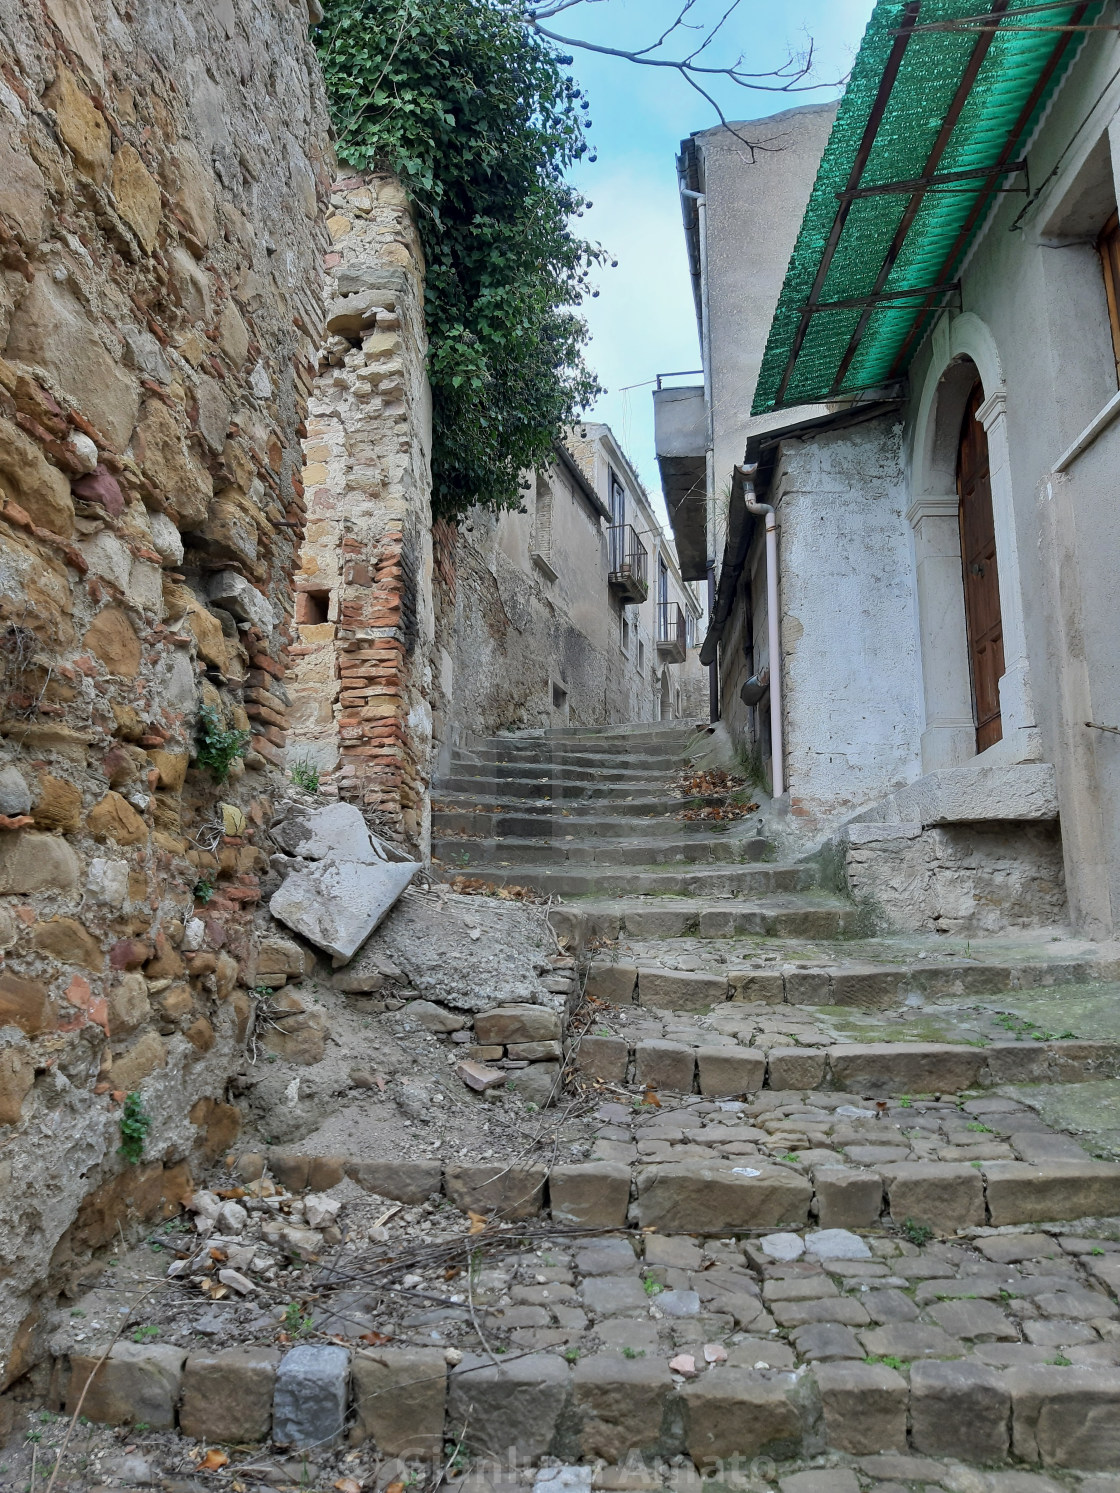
(360, 679)
(161, 189)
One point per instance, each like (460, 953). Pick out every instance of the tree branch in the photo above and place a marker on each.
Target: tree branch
(788, 78)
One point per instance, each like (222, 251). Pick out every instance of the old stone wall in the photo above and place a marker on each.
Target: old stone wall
(961, 879)
(161, 192)
(360, 677)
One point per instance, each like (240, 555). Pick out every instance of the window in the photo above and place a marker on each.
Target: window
(617, 501)
(641, 655)
(1108, 247)
(624, 636)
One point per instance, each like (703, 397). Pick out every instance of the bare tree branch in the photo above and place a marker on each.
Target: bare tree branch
(788, 78)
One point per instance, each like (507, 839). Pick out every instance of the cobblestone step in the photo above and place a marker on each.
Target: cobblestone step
(538, 822)
(863, 985)
(638, 808)
(569, 849)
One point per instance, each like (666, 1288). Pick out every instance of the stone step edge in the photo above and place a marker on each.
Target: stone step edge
(877, 1070)
(866, 986)
(720, 1198)
(413, 1403)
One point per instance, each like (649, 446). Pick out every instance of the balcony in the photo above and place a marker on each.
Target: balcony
(680, 421)
(627, 574)
(672, 635)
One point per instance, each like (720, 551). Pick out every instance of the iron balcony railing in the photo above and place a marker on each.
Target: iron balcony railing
(627, 562)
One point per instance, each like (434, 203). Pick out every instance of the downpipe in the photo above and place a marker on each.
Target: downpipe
(773, 625)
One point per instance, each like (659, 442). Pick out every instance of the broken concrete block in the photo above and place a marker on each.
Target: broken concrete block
(864, 1407)
(508, 1192)
(137, 1383)
(398, 1400)
(227, 1396)
(595, 1194)
(337, 904)
(508, 1407)
(506, 1024)
(724, 1071)
(309, 1403)
(695, 1197)
(622, 1404)
(403, 1181)
(335, 831)
(960, 1410)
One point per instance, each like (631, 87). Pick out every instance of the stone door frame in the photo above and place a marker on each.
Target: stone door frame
(964, 348)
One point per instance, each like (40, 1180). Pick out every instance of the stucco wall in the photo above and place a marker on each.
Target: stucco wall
(1039, 295)
(161, 192)
(850, 657)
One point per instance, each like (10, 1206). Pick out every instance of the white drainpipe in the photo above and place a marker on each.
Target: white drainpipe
(773, 627)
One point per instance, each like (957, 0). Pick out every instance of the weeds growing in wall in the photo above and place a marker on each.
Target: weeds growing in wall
(479, 119)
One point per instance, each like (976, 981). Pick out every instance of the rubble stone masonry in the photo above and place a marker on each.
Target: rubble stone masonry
(162, 194)
(360, 681)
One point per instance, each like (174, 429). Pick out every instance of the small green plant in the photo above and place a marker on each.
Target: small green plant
(1096, 1250)
(141, 1425)
(77, 1312)
(629, 1352)
(978, 1128)
(917, 1233)
(1060, 1361)
(456, 1459)
(890, 1361)
(296, 1321)
(217, 747)
(34, 1436)
(572, 1355)
(652, 1287)
(791, 1156)
(203, 890)
(304, 774)
(146, 1334)
(135, 1124)
(905, 1102)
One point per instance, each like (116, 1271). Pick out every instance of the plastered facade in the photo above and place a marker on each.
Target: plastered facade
(161, 202)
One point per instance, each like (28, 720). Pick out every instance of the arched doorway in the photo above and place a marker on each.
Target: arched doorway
(983, 618)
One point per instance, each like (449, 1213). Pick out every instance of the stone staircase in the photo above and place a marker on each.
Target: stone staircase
(766, 1061)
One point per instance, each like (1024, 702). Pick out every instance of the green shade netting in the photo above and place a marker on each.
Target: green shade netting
(995, 123)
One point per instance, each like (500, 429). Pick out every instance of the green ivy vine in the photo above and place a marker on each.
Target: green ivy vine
(479, 118)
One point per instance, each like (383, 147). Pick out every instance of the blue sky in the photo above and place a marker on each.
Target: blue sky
(643, 322)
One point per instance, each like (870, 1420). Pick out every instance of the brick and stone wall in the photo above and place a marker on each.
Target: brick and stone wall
(162, 188)
(360, 675)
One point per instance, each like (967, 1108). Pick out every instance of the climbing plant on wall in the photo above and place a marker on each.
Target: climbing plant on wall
(479, 118)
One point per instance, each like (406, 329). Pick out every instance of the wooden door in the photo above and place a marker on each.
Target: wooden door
(981, 576)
